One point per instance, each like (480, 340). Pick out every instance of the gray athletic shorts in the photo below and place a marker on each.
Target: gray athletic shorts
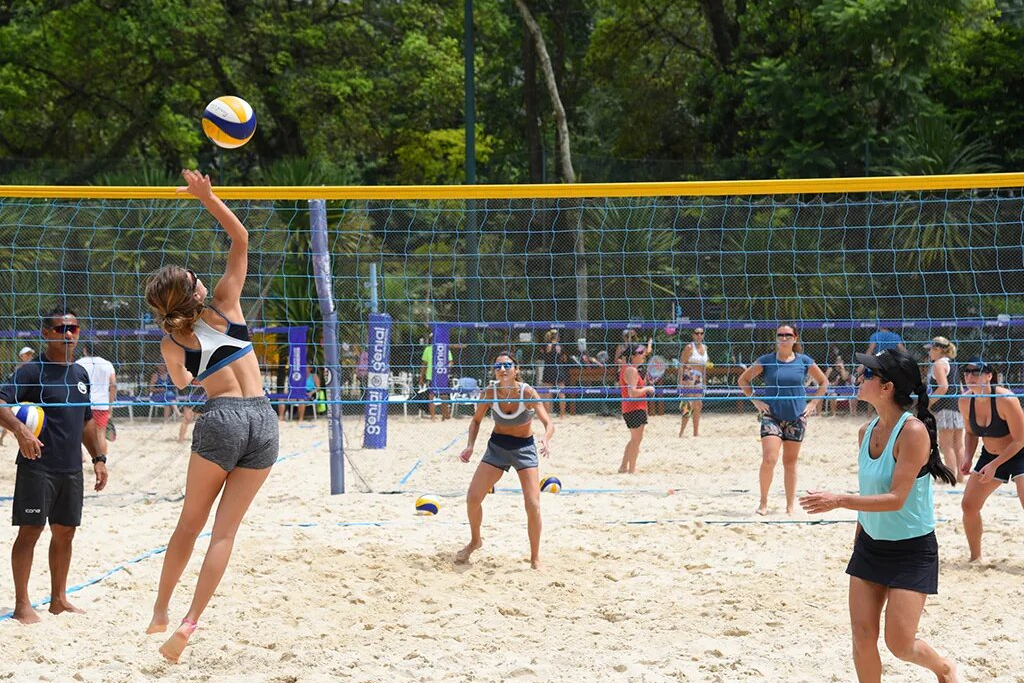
(949, 419)
(504, 451)
(237, 432)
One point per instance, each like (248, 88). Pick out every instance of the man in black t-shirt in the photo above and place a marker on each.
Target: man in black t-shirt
(49, 484)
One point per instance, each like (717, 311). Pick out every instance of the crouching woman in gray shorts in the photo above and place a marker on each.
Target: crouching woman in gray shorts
(513, 404)
(235, 439)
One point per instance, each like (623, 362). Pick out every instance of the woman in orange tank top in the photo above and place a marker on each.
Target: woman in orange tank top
(634, 411)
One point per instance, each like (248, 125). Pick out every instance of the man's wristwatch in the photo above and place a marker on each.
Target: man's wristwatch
(99, 458)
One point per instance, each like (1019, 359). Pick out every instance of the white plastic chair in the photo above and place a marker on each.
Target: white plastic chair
(399, 391)
(465, 389)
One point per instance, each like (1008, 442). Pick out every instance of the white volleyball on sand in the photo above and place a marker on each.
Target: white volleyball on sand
(427, 505)
(550, 485)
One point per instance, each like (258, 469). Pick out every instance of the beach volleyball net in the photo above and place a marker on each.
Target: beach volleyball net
(398, 299)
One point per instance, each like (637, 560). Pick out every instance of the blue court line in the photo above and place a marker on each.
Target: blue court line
(295, 454)
(110, 572)
(298, 453)
(576, 492)
(401, 482)
(439, 451)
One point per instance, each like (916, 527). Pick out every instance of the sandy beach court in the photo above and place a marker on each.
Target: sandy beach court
(667, 575)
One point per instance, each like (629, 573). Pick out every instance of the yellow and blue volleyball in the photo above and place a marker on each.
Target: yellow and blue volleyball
(229, 121)
(427, 505)
(32, 417)
(550, 485)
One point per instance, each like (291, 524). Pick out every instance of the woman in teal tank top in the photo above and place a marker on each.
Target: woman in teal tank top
(895, 562)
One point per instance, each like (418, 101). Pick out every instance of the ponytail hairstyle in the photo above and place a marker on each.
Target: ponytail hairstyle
(797, 346)
(515, 366)
(902, 370)
(170, 293)
(935, 467)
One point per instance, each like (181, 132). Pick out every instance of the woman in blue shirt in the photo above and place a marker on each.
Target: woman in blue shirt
(895, 556)
(783, 408)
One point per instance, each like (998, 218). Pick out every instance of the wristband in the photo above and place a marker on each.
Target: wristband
(99, 458)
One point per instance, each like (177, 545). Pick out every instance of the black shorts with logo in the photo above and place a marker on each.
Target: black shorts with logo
(41, 495)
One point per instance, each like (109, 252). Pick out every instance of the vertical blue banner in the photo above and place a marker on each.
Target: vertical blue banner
(440, 382)
(297, 362)
(375, 430)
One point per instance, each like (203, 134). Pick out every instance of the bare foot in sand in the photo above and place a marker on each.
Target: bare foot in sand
(952, 674)
(26, 615)
(175, 645)
(762, 510)
(534, 563)
(159, 623)
(61, 606)
(462, 557)
(789, 509)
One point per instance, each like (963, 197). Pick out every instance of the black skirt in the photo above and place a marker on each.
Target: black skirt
(911, 564)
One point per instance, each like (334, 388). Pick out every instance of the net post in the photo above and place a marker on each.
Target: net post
(322, 273)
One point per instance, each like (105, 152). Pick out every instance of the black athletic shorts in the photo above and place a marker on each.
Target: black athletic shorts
(635, 418)
(41, 495)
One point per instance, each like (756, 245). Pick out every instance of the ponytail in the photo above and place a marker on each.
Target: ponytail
(935, 466)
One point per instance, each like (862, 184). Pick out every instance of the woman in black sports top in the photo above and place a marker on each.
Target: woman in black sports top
(993, 414)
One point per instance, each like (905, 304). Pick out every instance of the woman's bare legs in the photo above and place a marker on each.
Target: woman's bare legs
(240, 488)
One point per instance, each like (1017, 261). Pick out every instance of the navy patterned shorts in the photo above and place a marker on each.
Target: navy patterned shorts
(787, 430)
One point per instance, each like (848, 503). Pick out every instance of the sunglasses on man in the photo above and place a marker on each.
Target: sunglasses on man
(64, 329)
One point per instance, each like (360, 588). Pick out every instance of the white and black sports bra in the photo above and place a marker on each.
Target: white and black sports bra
(698, 358)
(521, 416)
(216, 349)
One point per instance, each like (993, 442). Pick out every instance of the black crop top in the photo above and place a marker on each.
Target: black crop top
(996, 427)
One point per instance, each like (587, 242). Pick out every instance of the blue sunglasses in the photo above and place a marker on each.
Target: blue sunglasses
(868, 373)
(504, 365)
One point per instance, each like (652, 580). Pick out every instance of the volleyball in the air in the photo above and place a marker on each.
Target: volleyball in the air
(229, 121)
(32, 417)
(427, 505)
(550, 485)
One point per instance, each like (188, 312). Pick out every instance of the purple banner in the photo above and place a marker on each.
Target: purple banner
(297, 366)
(375, 430)
(440, 350)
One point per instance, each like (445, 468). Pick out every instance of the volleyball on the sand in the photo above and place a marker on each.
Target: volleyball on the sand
(427, 505)
(550, 485)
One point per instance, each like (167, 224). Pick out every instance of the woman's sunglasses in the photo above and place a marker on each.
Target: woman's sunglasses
(868, 373)
(195, 278)
(785, 335)
(504, 365)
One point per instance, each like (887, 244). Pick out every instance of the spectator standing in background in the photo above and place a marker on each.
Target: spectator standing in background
(102, 390)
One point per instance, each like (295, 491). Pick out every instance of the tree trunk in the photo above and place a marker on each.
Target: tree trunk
(564, 153)
(531, 104)
(564, 156)
(723, 30)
